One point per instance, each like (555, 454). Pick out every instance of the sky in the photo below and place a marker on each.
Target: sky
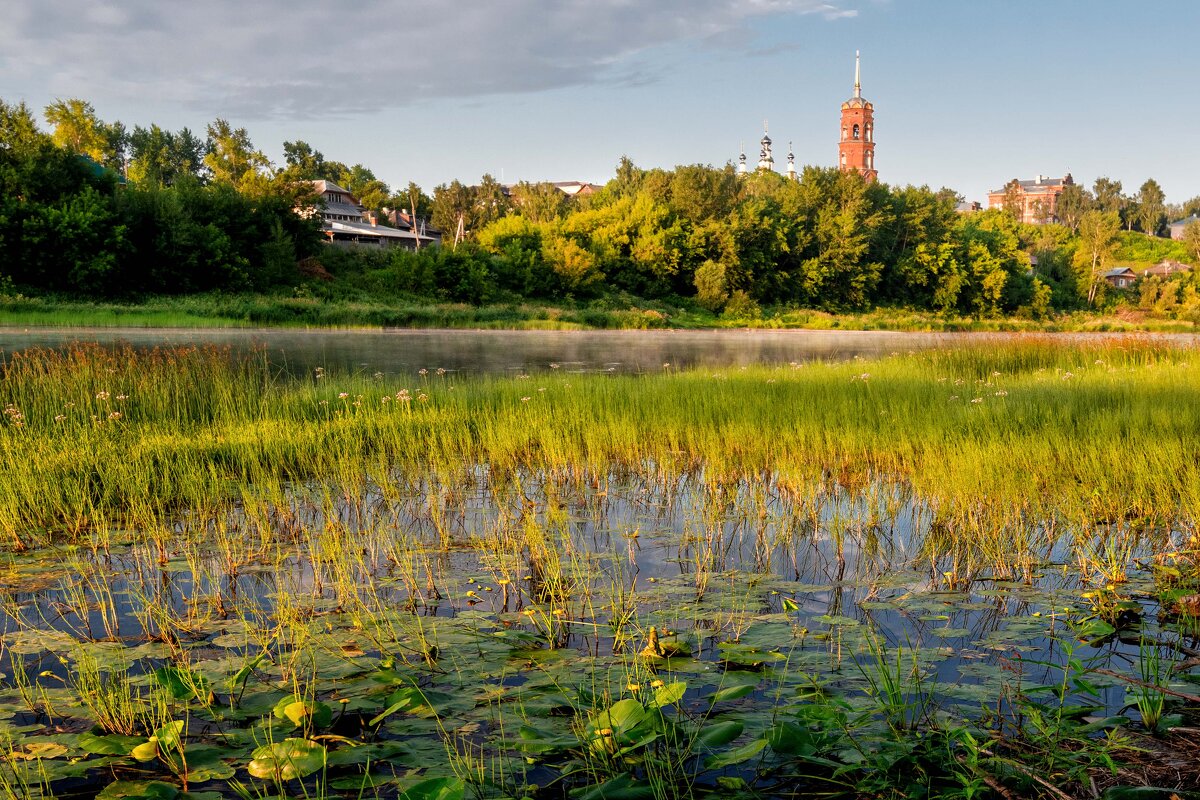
(968, 94)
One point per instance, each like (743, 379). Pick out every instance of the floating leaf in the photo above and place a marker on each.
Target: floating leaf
(720, 733)
(110, 745)
(291, 758)
(669, 695)
(736, 756)
(138, 790)
(146, 751)
(36, 750)
(732, 692)
(622, 787)
(436, 789)
(297, 711)
(181, 684)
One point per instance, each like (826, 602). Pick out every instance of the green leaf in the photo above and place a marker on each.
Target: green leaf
(169, 735)
(181, 684)
(291, 758)
(624, 715)
(720, 733)
(436, 789)
(243, 674)
(790, 605)
(791, 739)
(146, 751)
(138, 790)
(110, 745)
(669, 695)
(298, 710)
(622, 787)
(732, 692)
(736, 756)
(412, 700)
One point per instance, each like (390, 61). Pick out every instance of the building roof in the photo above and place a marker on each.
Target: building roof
(1039, 182)
(342, 208)
(1184, 222)
(1119, 271)
(376, 231)
(329, 186)
(1167, 267)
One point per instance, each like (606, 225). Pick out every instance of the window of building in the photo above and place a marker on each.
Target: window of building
(856, 132)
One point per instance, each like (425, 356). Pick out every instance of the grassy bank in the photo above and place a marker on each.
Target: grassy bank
(951, 574)
(222, 310)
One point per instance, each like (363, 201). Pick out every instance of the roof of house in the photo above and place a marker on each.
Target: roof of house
(342, 208)
(1118, 271)
(377, 231)
(329, 186)
(1040, 182)
(1167, 267)
(1185, 221)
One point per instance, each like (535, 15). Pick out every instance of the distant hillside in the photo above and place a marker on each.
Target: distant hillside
(1140, 251)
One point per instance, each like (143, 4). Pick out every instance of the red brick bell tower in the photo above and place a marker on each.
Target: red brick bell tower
(856, 150)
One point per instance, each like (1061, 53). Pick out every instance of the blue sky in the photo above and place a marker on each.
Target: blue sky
(968, 94)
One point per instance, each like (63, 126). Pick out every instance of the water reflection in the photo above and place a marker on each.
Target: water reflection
(404, 352)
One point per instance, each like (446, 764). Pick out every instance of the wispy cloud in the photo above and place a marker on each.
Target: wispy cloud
(286, 58)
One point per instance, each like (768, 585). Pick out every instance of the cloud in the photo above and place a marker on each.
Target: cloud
(297, 58)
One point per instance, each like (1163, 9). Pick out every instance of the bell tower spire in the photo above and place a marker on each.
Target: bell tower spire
(856, 148)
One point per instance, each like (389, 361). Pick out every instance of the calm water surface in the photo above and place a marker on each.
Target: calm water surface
(402, 352)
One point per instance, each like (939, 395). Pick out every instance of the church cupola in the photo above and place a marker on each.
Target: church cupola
(856, 149)
(765, 159)
(741, 168)
(791, 162)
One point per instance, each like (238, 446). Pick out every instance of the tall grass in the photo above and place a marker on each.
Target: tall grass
(988, 435)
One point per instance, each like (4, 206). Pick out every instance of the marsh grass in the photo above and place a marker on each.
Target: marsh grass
(416, 548)
(989, 436)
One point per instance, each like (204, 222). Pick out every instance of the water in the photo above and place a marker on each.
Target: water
(404, 352)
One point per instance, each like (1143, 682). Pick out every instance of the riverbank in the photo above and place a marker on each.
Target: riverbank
(255, 310)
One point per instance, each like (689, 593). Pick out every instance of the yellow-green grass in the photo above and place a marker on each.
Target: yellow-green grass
(1036, 429)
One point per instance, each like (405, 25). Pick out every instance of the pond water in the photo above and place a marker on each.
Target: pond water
(404, 352)
(534, 599)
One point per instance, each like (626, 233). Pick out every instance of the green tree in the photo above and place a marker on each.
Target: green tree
(233, 160)
(1073, 203)
(1191, 239)
(303, 163)
(371, 192)
(1108, 195)
(454, 211)
(699, 193)
(491, 202)
(540, 202)
(1151, 207)
(77, 128)
(161, 158)
(1014, 200)
(712, 290)
(19, 132)
(1097, 245)
(628, 179)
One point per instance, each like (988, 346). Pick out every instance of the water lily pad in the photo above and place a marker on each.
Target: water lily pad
(286, 760)
(138, 790)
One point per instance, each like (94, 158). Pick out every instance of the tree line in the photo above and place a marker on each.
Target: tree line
(94, 208)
